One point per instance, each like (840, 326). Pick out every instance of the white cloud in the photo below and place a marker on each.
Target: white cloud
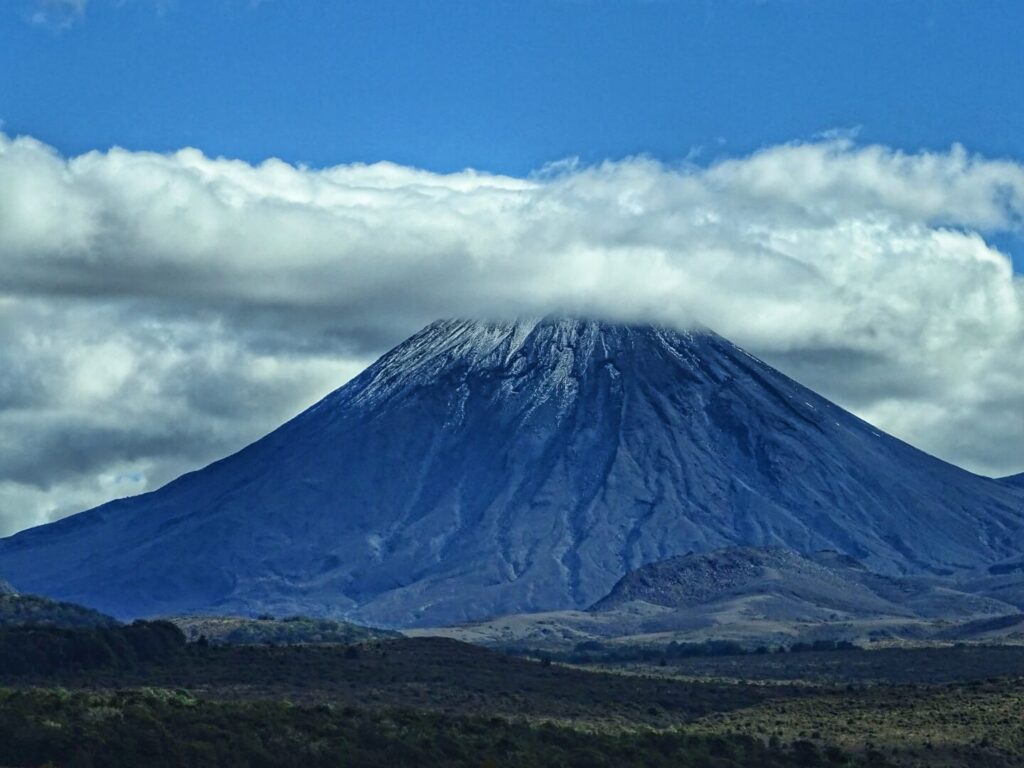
(161, 310)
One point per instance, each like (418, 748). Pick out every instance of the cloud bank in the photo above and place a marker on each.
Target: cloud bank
(160, 311)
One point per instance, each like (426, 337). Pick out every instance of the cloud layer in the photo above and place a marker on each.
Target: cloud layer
(159, 311)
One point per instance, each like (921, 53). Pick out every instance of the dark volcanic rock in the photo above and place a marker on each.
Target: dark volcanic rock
(486, 468)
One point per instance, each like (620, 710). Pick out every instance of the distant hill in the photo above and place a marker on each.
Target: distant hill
(297, 630)
(30, 610)
(696, 579)
(1017, 480)
(756, 595)
(1003, 581)
(779, 584)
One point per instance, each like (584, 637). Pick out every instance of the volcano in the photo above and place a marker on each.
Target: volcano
(485, 468)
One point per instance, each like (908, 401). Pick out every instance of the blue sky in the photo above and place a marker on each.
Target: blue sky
(509, 86)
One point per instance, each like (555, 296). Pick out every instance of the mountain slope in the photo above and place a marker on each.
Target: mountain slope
(486, 468)
(1017, 480)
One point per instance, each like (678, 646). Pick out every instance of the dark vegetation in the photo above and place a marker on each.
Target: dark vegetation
(141, 695)
(46, 652)
(157, 729)
(975, 724)
(268, 630)
(596, 652)
(921, 666)
(22, 610)
(424, 673)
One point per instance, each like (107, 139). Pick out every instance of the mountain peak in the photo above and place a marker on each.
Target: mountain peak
(558, 347)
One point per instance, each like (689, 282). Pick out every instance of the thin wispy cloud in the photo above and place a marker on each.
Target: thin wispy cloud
(61, 15)
(159, 311)
(57, 14)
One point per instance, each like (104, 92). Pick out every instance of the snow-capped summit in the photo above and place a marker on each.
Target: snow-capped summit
(485, 468)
